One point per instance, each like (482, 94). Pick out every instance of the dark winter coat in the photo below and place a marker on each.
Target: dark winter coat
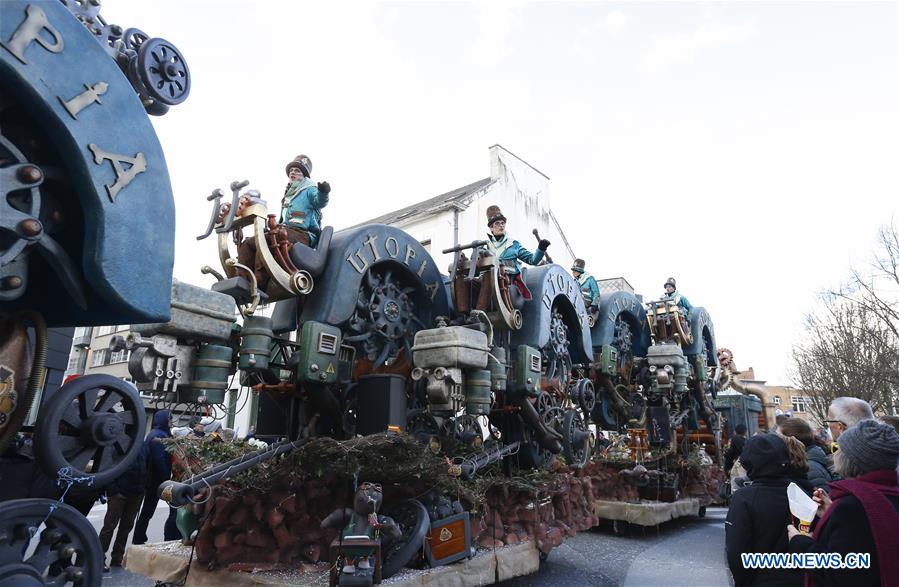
(733, 452)
(818, 467)
(134, 480)
(159, 461)
(844, 529)
(759, 513)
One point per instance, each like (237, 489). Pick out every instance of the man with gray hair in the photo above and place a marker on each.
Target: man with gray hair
(845, 412)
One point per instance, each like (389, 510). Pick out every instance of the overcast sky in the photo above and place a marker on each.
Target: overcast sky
(747, 149)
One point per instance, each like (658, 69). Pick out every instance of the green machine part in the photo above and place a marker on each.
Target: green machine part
(702, 372)
(477, 392)
(256, 342)
(212, 368)
(319, 353)
(608, 360)
(527, 370)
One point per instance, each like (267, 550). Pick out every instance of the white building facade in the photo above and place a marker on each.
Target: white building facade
(520, 190)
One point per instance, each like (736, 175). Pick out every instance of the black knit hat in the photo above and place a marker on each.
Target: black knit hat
(494, 214)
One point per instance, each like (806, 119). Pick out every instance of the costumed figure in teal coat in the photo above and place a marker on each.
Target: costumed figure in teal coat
(672, 294)
(301, 215)
(588, 284)
(510, 252)
(301, 208)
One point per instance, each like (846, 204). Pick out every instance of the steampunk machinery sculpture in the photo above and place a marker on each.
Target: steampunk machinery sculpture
(74, 188)
(654, 368)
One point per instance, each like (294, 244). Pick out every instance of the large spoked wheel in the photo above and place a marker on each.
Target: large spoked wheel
(93, 425)
(556, 355)
(163, 71)
(413, 520)
(67, 552)
(576, 445)
(384, 321)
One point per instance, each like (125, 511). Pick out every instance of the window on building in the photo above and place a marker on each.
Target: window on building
(777, 400)
(122, 327)
(119, 356)
(100, 358)
(104, 330)
(74, 360)
(800, 403)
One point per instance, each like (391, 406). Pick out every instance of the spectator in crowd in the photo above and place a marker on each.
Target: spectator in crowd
(822, 439)
(819, 474)
(863, 515)
(159, 466)
(124, 496)
(735, 449)
(757, 511)
(844, 412)
(798, 468)
(891, 420)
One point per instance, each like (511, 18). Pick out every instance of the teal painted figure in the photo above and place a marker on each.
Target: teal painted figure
(510, 252)
(301, 208)
(588, 284)
(672, 294)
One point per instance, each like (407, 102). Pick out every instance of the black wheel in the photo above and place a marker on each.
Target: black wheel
(413, 520)
(555, 354)
(422, 426)
(385, 320)
(604, 414)
(67, 552)
(163, 71)
(702, 511)
(583, 395)
(530, 454)
(575, 439)
(93, 425)
(466, 430)
(133, 38)
(620, 527)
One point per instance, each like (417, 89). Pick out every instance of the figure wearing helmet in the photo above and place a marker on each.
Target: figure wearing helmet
(672, 294)
(300, 215)
(510, 252)
(588, 284)
(301, 208)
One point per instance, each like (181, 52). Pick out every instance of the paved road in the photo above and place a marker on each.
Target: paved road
(684, 552)
(120, 577)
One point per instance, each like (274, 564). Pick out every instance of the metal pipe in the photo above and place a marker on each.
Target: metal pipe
(471, 465)
(179, 494)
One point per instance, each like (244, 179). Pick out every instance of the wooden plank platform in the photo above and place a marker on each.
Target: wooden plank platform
(169, 562)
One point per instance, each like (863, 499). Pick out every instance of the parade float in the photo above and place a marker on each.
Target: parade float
(466, 408)
(413, 419)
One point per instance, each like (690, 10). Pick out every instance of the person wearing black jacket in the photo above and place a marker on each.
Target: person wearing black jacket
(735, 449)
(159, 469)
(124, 496)
(818, 474)
(755, 520)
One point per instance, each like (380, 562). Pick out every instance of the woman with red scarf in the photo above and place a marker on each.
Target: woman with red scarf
(864, 514)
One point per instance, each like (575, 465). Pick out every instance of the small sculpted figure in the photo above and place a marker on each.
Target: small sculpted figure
(362, 520)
